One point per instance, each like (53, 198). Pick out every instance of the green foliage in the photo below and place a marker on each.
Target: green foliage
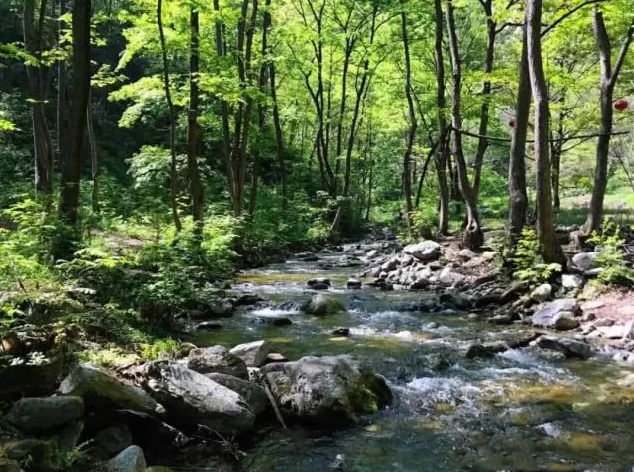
(609, 246)
(527, 261)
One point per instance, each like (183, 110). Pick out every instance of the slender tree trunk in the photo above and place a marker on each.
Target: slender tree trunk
(609, 77)
(413, 123)
(172, 117)
(518, 200)
(473, 237)
(193, 129)
(61, 126)
(94, 157)
(551, 251)
(440, 156)
(71, 175)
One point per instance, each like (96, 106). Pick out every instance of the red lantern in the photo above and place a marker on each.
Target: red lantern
(512, 123)
(621, 104)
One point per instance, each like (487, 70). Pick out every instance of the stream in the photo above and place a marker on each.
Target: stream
(522, 410)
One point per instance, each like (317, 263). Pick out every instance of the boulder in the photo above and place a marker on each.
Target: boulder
(130, 459)
(217, 359)
(272, 320)
(424, 251)
(328, 391)
(485, 351)
(353, 284)
(565, 321)
(542, 293)
(322, 305)
(252, 393)
(253, 354)
(193, 399)
(113, 440)
(9, 465)
(585, 261)
(320, 283)
(38, 453)
(548, 314)
(571, 348)
(100, 388)
(275, 357)
(572, 281)
(455, 300)
(345, 332)
(36, 415)
(450, 277)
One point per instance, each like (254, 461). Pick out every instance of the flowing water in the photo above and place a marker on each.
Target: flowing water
(522, 410)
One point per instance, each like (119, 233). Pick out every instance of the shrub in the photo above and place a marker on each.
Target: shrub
(610, 249)
(528, 263)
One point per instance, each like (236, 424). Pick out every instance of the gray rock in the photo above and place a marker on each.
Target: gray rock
(252, 393)
(628, 331)
(322, 305)
(35, 415)
(424, 251)
(99, 387)
(192, 399)
(68, 436)
(572, 281)
(114, 440)
(569, 347)
(253, 354)
(548, 314)
(455, 300)
(372, 254)
(565, 321)
(9, 465)
(502, 319)
(330, 390)
(217, 359)
(353, 284)
(450, 277)
(130, 459)
(542, 293)
(585, 261)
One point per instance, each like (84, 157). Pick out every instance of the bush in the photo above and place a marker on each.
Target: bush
(528, 263)
(610, 248)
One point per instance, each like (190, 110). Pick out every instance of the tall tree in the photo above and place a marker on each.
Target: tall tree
(193, 129)
(551, 251)
(71, 173)
(413, 123)
(473, 237)
(609, 77)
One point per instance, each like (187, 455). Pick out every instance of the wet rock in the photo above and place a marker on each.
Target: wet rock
(341, 332)
(113, 440)
(548, 314)
(322, 305)
(38, 453)
(275, 357)
(192, 399)
(571, 348)
(35, 415)
(252, 393)
(100, 388)
(130, 459)
(502, 319)
(353, 284)
(9, 465)
(426, 305)
(253, 354)
(484, 351)
(585, 261)
(217, 359)
(572, 281)
(274, 320)
(542, 293)
(455, 300)
(372, 254)
(208, 326)
(424, 251)
(293, 305)
(328, 391)
(248, 299)
(320, 283)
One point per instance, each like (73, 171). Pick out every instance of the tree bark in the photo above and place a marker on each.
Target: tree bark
(472, 238)
(71, 174)
(518, 201)
(609, 77)
(61, 126)
(172, 117)
(94, 157)
(551, 251)
(193, 128)
(413, 122)
(440, 156)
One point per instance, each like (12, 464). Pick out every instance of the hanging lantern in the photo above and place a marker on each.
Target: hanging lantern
(512, 123)
(621, 104)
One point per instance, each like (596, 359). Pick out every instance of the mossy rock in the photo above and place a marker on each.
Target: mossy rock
(322, 305)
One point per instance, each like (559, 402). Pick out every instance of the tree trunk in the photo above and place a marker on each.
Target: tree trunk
(472, 238)
(193, 130)
(441, 105)
(518, 200)
(71, 174)
(413, 123)
(94, 157)
(61, 126)
(172, 115)
(551, 251)
(609, 77)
